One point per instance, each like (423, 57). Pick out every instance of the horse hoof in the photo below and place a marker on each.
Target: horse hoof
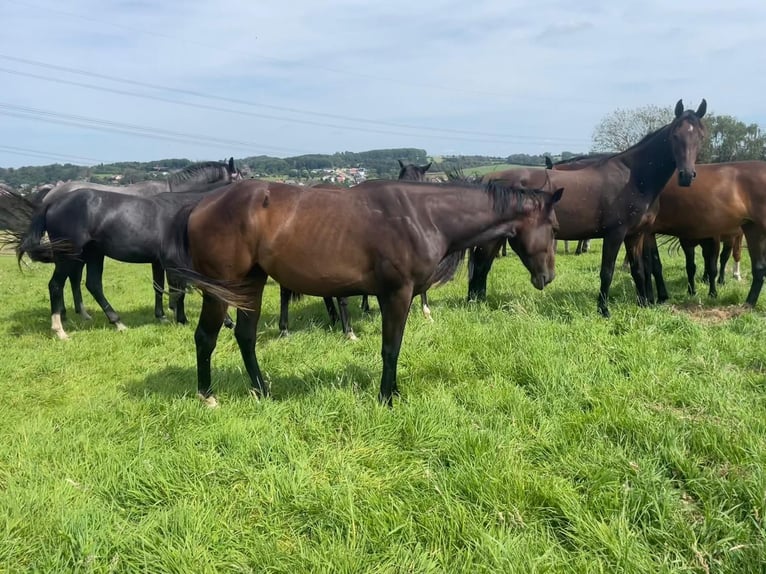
(85, 316)
(351, 336)
(209, 401)
(120, 326)
(737, 277)
(164, 320)
(283, 334)
(62, 336)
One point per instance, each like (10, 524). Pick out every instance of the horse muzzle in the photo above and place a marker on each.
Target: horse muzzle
(686, 177)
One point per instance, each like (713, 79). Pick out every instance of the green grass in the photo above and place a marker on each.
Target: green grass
(533, 436)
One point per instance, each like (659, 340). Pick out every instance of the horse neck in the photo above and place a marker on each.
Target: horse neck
(468, 217)
(197, 182)
(651, 162)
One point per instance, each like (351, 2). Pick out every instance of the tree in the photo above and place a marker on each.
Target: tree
(623, 128)
(729, 139)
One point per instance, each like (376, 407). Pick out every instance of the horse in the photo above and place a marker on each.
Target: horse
(610, 198)
(199, 177)
(409, 172)
(727, 198)
(571, 164)
(390, 239)
(86, 225)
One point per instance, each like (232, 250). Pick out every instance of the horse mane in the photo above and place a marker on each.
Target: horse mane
(688, 115)
(584, 157)
(211, 170)
(502, 193)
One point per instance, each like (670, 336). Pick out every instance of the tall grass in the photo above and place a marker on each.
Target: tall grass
(532, 436)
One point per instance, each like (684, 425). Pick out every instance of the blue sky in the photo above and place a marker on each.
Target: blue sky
(206, 80)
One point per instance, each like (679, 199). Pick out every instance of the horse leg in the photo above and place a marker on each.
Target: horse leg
(726, 250)
(56, 293)
(585, 245)
(424, 302)
(205, 338)
(284, 304)
(756, 244)
(227, 322)
(479, 264)
(365, 304)
(245, 332)
(736, 251)
(634, 248)
(158, 284)
(504, 249)
(566, 247)
(331, 311)
(394, 308)
(75, 282)
(94, 284)
(608, 260)
(691, 267)
(178, 297)
(345, 319)
(654, 268)
(710, 247)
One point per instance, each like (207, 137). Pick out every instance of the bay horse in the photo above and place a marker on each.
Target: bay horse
(727, 197)
(86, 225)
(726, 246)
(610, 198)
(390, 239)
(409, 172)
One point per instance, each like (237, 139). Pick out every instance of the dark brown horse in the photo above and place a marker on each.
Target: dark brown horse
(390, 239)
(725, 198)
(409, 172)
(610, 198)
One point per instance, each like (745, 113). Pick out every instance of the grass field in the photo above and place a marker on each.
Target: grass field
(532, 436)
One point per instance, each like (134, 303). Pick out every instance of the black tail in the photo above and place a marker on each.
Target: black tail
(174, 253)
(16, 212)
(447, 268)
(31, 242)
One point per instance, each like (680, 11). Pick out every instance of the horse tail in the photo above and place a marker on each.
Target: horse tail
(447, 268)
(174, 252)
(30, 242)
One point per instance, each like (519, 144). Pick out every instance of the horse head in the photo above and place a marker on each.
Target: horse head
(686, 135)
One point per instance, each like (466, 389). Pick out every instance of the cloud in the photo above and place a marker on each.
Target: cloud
(519, 77)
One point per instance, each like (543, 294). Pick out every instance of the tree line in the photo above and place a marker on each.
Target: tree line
(728, 139)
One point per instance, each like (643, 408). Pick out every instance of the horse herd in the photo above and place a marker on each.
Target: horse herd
(395, 239)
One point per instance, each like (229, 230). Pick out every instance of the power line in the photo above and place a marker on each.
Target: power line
(500, 140)
(46, 154)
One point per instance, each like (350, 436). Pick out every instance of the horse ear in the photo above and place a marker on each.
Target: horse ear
(427, 167)
(231, 164)
(679, 108)
(401, 165)
(702, 108)
(548, 162)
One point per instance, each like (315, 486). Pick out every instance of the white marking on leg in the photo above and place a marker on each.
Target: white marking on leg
(210, 402)
(85, 315)
(427, 313)
(737, 274)
(351, 337)
(120, 326)
(57, 327)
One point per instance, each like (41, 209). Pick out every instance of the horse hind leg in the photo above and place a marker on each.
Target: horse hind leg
(205, 339)
(245, 332)
(75, 282)
(756, 243)
(56, 293)
(158, 285)
(710, 249)
(691, 266)
(425, 307)
(345, 319)
(94, 284)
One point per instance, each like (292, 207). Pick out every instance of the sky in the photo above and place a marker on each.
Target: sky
(92, 81)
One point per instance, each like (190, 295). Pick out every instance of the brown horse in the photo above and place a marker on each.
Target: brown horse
(725, 198)
(390, 239)
(409, 172)
(610, 198)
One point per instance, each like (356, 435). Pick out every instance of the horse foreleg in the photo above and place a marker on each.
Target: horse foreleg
(634, 249)
(75, 282)
(205, 338)
(756, 244)
(691, 266)
(177, 289)
(284, 304)
(365, 305)
(710, 249)
(94, 284)
(394, 308)
(345, 319)
(479, 265)
(56, 293)
(158, 285)
(609, 253)
(726, 249)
